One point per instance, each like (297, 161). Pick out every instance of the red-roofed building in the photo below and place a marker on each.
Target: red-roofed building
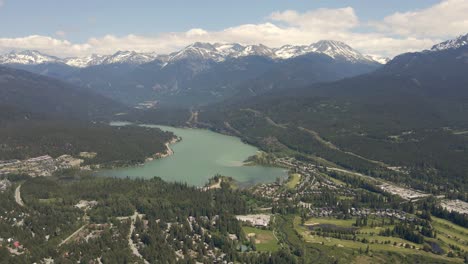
(16, 244)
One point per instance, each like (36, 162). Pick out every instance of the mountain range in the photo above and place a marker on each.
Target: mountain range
(216, 52)
(201, 73)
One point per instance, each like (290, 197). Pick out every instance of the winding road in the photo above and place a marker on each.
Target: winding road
(18, 199)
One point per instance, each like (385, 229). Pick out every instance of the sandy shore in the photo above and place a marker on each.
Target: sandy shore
(169, 150)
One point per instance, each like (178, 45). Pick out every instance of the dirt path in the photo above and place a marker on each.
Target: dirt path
(132, 245)
(72, 235)
(18, 199)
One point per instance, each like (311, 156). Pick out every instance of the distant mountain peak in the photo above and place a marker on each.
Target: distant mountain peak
(27, 57)
(451, 44)
(339, 50)
(378, 58)
(329, 42)
(202, 45)
(82, 62)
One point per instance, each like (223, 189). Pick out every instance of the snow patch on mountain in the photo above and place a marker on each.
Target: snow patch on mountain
(451, 44)
(338, 50)
(378, 58)
(27, 57)
(130, 57)
(290, 51)
(83, 62)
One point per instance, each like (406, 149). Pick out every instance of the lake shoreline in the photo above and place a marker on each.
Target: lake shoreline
(169, 151)
(201, 154)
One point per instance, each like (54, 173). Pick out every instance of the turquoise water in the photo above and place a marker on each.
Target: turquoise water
(199, 156)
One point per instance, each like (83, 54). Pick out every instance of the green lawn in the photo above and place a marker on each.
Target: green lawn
(451, 233)
(331, 221)
(293, 180)
(264, 239)
(371, 234)
(330, 250)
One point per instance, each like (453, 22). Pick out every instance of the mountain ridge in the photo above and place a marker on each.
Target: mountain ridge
(215, 51)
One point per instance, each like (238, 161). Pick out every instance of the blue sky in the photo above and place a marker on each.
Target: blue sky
(86, 26)
(83, 19)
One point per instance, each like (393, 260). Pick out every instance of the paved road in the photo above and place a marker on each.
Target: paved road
(18, 199)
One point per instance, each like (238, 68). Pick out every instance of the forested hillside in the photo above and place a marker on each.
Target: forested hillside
(410, 114)
(29, 96)
(43, 116)
(113, 145)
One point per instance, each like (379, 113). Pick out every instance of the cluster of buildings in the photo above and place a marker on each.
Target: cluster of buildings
(4, 185)
(12, 218)
(259, 220)
(39, 166)
(12, 245)
(458, 206)
(194, 238)
(361, 212)
(405, 193)
(311, 182)
(86, 205)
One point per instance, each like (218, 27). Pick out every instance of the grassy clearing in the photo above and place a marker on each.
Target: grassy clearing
(293, 180)
(450, 234)
(331, 221)
(336, 181)
(350, 244)
(264, 239)
(294, 235)
(449, 225)
(376, 243)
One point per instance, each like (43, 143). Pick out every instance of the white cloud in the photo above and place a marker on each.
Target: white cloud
(45, 44)
(2, 2)
(445, 19)
(394, 34)
(321, 19)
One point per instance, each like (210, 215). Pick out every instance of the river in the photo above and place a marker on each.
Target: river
(199, 156)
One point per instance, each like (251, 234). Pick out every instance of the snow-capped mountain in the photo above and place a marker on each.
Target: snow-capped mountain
(216, 52)
(256, 50)
(82, 62)
(199, 50)
(220, 52)
(32, 57)
(338, 49)
(451, 44)
(129, 57)
(378, 58)
(290, 51)
(27, 57)
(332, 48)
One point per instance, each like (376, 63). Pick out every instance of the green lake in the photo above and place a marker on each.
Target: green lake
(199, 156)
